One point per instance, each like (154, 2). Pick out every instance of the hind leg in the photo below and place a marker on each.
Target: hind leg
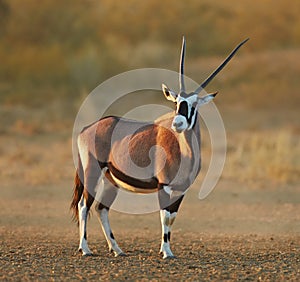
(83, 209)
(91, 173)
(105, 200)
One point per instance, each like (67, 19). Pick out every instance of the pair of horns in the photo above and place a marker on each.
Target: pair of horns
(212, 75)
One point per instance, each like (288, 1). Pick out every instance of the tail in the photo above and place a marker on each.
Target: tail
(77, 193)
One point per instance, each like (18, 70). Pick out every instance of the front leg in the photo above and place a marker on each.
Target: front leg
(167, 218)
(111, 241)
(106, 198)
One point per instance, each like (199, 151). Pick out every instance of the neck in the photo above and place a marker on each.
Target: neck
(189, 142)
(195, 129)
(190, 139)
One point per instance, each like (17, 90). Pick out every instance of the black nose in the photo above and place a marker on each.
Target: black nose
(177, 124)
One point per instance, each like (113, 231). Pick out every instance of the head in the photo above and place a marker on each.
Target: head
(187, 103)
(186, 107)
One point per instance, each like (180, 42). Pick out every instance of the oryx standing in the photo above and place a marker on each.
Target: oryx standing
(142, 157)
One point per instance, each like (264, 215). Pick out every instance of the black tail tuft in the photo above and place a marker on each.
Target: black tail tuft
(78, 190)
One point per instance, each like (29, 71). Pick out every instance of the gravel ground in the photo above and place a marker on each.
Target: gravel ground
(237, 233)
(39, 256)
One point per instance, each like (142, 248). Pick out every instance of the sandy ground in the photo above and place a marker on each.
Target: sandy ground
(237, 233)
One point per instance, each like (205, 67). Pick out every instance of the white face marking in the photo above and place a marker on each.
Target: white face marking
(179, 123)
(185, 114)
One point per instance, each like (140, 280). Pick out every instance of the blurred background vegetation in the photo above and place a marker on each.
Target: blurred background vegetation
(61, 50)
(53, 53)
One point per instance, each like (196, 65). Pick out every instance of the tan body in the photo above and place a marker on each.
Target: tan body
(149, 155)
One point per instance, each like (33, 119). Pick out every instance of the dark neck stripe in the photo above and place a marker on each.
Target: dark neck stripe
(189, 119)
(195, 121)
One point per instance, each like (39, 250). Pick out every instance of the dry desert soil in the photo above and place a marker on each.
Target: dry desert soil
(236, 233)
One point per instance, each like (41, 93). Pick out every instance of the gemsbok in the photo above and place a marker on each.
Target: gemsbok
(161, 156)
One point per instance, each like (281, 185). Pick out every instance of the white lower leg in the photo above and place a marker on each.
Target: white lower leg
(83, 214)
(112, 243)
(167, 220)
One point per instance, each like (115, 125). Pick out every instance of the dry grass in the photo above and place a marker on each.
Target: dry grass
(265, 156)
(35, 145)
(32, 163)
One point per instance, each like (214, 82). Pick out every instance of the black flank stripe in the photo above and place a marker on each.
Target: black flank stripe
(149, 183)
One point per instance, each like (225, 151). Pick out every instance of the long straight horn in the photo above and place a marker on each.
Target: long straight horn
(220, 67)
(181, 67)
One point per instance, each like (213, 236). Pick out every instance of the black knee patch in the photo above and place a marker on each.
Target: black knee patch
(165, 238)
(84, 235)
(100, 207)
(166, 203)
(169, 236)
(175, 206)
(112, 236)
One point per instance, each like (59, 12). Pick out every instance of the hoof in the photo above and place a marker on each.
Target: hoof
(85, 254)
(120, 255)
(167, 254)
(169, 257)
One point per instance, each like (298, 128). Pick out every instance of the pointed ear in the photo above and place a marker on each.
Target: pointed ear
(206, 99)
(169, 94)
